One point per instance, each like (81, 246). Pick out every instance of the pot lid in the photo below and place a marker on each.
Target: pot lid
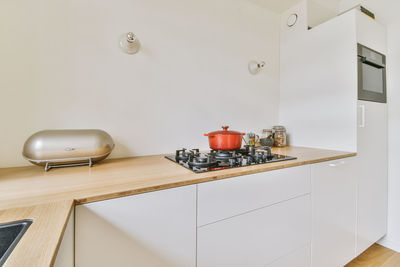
(225, 131)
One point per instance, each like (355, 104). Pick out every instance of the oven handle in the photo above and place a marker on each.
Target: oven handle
(371, 63)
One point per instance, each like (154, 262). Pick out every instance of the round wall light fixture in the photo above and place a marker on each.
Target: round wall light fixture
(292, 19)
(255, 66)
(129, 43)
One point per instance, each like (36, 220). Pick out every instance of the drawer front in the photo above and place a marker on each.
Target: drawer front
(256, 238)
(300, 258)
(222, 199)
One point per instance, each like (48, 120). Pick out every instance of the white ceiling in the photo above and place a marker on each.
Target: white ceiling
(386, 11)
(278, 6)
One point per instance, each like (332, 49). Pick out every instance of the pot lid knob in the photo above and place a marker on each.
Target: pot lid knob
(225, 128)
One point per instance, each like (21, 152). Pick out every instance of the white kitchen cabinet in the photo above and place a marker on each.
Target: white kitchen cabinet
(318, 81)
(371, 33)
(225, 198)
(334, 207)
(372, 174)
(151, 229)
(256, 238)
(65, 255)
(299, 258)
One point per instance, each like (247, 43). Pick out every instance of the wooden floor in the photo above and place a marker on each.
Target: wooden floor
(376, 256)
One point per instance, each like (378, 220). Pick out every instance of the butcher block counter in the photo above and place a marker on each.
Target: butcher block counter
(30, 192)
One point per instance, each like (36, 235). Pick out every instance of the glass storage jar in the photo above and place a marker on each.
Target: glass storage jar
(280, 138)
(266, 133)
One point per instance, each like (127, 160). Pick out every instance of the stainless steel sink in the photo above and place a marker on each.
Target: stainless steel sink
(10, 234)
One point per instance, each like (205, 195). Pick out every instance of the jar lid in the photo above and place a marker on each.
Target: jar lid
(278, 127)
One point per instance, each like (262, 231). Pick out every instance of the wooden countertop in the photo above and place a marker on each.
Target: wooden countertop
(39, 244)
(27, 186)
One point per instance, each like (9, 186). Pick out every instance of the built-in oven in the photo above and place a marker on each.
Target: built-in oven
(371, 75)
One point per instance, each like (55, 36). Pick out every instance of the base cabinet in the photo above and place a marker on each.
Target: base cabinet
(303, 216)
(334, 207)
(148, 230)
(256, 238)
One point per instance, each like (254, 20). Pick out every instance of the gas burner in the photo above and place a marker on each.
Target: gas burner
(184, 154)
(202, 161)
(221, 159)
(244, 150)
(225, 155)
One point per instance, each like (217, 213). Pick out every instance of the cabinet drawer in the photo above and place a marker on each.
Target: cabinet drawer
(300, 258)
(222, 199)
(256, 238)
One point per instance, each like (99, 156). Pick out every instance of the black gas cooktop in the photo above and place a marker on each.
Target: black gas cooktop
(215, 160)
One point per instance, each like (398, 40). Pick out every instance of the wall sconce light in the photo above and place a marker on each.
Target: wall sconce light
(292, 19)
(255, 66)
(129, 43)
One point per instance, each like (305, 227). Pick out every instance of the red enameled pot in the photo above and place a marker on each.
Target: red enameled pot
(225, 140)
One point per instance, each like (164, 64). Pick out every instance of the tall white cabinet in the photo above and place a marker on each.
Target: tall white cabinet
(372, 173)
(146, 230)
(319, 104)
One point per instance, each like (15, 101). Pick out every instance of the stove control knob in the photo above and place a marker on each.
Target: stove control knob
(232, 162)
(249, 160)
(259, 157)
(239, 161)
(264, 157)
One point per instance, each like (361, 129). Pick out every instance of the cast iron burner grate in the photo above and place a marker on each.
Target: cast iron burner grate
(214, 160)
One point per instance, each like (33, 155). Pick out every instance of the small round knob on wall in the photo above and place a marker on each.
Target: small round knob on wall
(129, 43)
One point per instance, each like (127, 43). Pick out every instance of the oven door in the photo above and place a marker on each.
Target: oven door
(371, 75)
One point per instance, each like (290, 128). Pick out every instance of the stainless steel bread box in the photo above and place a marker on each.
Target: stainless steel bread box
(63, 148)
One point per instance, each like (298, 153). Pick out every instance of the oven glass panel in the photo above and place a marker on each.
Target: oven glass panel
(372, 79)
(375, 57)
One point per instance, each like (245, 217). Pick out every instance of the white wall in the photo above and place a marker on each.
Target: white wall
(318, 109)
(61, 67)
